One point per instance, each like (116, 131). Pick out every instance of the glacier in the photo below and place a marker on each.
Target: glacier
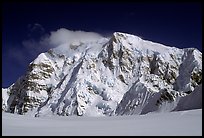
(181, 123)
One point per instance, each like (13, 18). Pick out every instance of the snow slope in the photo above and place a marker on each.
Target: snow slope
(191, 101)
(5, 97)
(182, 123)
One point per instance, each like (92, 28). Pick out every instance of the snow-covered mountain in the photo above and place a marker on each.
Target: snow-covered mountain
(123, 75)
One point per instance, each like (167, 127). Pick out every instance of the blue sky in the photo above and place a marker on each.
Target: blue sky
(25, 24)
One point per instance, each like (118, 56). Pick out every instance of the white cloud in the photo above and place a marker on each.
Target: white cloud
(63, 35)
(56, 38)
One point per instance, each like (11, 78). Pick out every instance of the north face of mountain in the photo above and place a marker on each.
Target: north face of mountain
(122, 75)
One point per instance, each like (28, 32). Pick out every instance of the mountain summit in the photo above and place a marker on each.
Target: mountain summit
(123, 75)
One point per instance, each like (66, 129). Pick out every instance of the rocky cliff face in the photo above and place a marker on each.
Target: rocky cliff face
(116, 76)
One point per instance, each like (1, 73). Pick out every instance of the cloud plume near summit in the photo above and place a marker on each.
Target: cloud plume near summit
(63, 35)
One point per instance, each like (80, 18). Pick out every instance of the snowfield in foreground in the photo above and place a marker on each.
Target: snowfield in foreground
(188, 123)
